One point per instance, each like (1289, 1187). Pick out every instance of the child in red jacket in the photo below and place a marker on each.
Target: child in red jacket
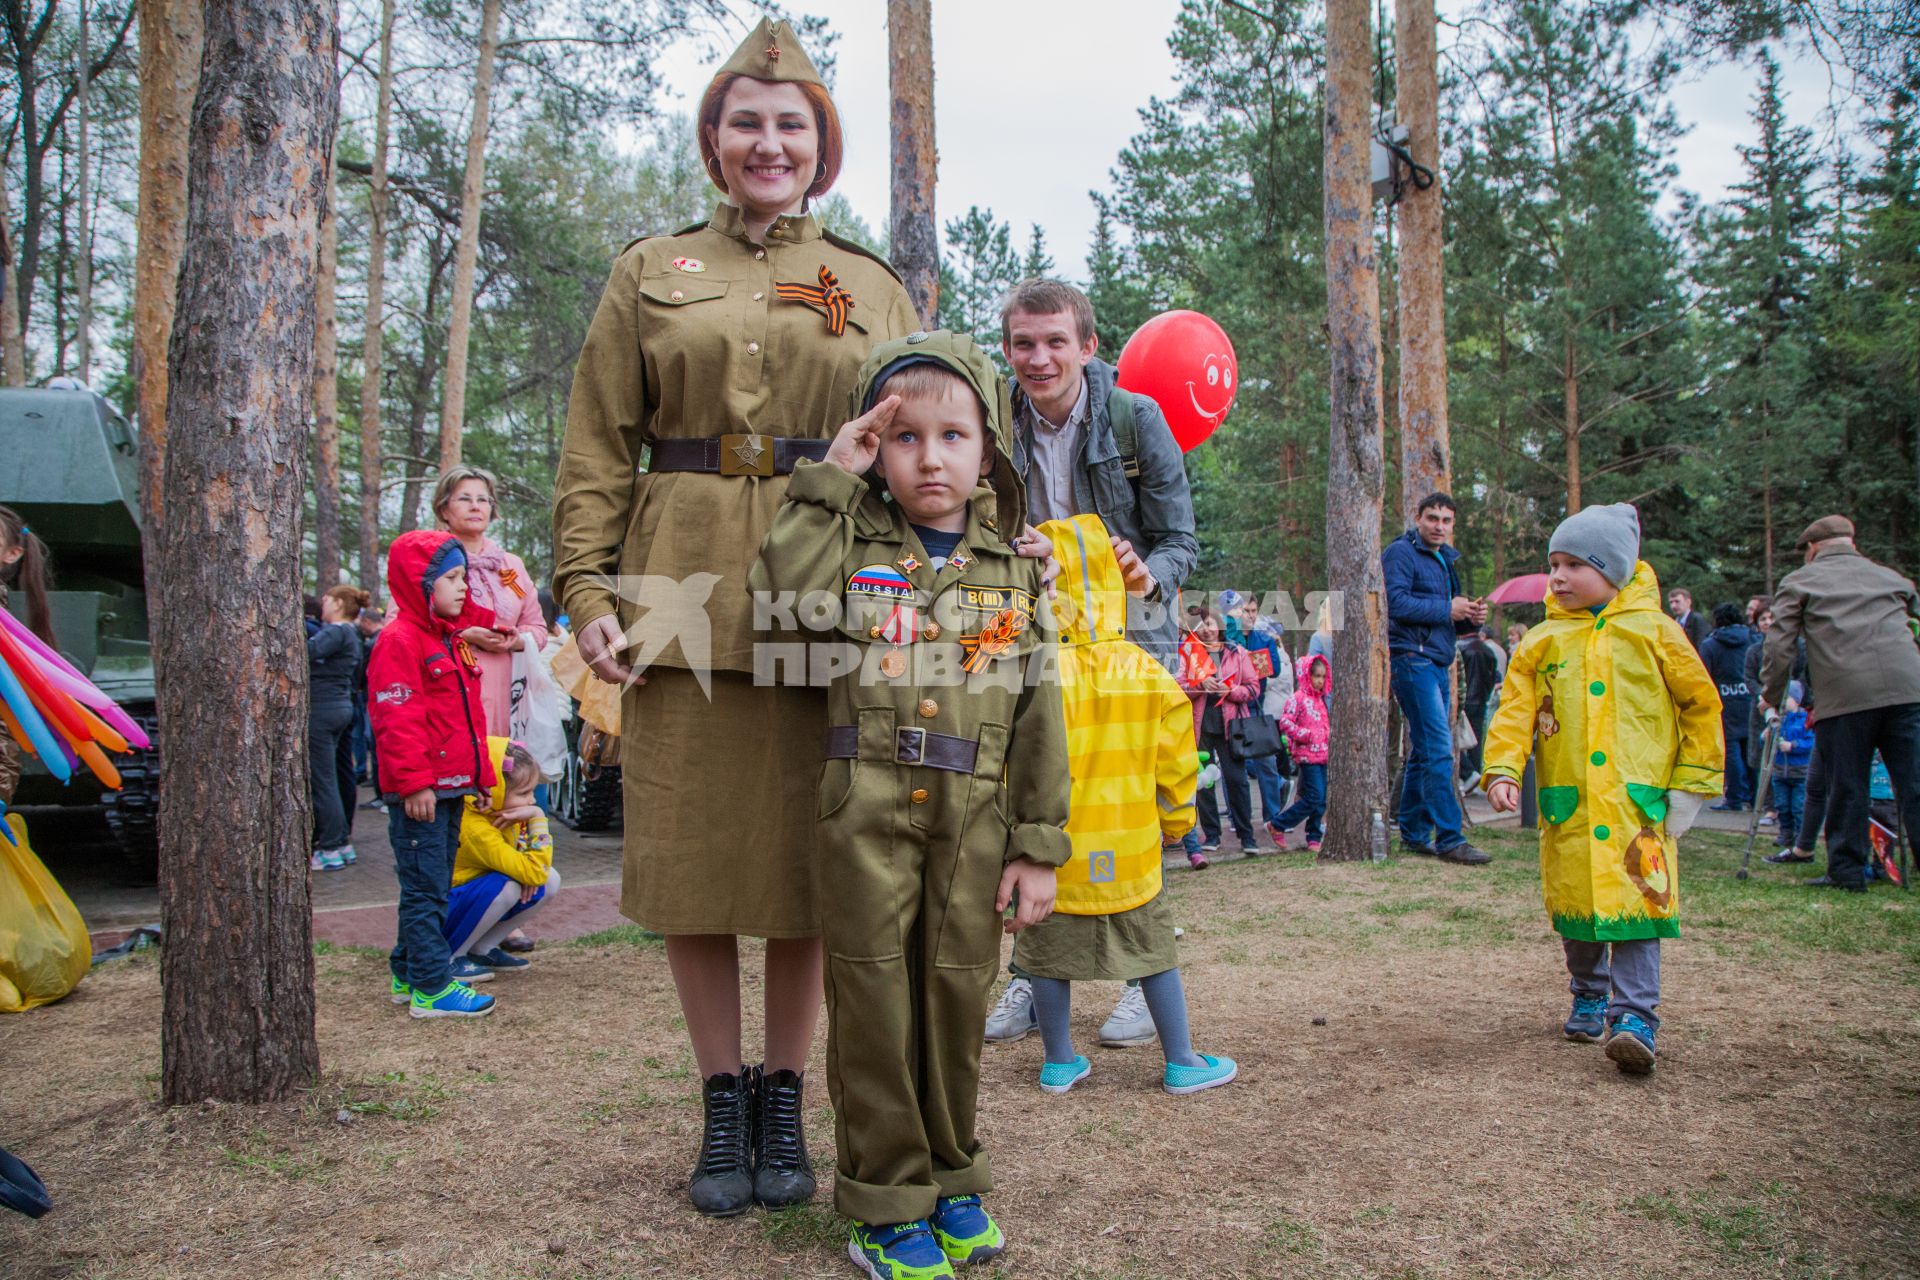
(423, 689)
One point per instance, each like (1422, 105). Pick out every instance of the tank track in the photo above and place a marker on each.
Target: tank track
(133, 812)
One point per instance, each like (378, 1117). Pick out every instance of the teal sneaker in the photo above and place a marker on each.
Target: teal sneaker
(398, 991)
(965, 1231)
(1058, 1077)
(455, 1000)
(1213, 1073)
(903, 1251)
(1631, 1045)
(1588, 1022)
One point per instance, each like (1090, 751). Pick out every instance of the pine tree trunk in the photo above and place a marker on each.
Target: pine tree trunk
(453, 401)
(83, 264)
(237, 970)
(913, 233)
(1570, 425)
(1425, 450)
(326, 403)
(1357, 762)
(169, 72)
(13, 351)
(371, 579)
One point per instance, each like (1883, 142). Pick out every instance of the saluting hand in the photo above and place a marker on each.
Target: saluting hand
(858, 444)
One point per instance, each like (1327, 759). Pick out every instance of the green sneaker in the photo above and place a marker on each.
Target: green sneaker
(455, 1000)
(967, 1235)
(901, 1251)
(398, 991)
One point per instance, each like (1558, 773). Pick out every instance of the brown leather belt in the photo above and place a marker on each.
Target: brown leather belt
(913, 746)
(736, 455)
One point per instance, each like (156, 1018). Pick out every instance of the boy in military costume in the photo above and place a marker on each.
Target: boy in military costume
(944, 795)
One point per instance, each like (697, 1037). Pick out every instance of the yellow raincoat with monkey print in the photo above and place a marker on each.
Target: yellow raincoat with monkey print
(1624, 712)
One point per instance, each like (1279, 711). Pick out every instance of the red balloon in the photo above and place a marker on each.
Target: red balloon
(1184, 363)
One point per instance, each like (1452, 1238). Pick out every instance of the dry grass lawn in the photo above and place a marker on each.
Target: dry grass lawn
(1407, 1108)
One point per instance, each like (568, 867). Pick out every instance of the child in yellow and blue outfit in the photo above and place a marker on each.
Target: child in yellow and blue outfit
(1131, 754)
(503, 871)
(1629, 745)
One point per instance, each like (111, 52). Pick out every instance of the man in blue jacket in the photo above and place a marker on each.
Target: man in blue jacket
(1426, 610)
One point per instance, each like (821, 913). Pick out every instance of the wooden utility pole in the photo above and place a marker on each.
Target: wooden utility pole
(1357, 763)
(913, 234)
(1425, 452)
(13, 352)
(371, 356)
(237, 970)
(170, 41)
(83, 260)
(326, 402)
(453, 400)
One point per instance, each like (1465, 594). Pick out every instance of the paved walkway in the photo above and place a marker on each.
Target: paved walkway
(355, 906)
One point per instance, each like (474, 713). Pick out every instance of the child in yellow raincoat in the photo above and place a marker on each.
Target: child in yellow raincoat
(1131, 753)
(1627, 724)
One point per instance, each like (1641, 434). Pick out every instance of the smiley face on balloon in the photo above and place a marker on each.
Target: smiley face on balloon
(1184, 363)
(1212, 396)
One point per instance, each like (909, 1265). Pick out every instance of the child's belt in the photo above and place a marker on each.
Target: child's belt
(913, 746)
(750, 454)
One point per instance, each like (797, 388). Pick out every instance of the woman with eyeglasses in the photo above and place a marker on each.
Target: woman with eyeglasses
(465, 503)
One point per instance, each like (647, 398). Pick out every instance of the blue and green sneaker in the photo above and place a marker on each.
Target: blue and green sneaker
(1631, 1045)
(398, 991)
(965, 1232)
(1588, 1021)
(903, 1251)
(455, 1000)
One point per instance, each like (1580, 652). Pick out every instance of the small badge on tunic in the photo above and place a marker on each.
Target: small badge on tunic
(958, 560)
(881, 580)
(894, 664)
(999, 633)
(908, 563)
(691, 265)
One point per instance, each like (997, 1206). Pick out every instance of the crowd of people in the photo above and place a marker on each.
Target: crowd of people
(951, 798)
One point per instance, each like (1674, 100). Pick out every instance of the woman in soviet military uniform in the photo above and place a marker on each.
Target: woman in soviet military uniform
(717, 359)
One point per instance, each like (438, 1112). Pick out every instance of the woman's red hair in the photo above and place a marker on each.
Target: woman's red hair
(825, 118)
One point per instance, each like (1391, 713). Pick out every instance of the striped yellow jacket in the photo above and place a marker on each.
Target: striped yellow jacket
(1130, 743)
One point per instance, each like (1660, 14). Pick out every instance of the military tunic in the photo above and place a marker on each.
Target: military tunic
(909, 856)
(692, 341)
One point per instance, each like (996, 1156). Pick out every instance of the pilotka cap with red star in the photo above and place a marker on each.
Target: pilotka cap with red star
(773, 53)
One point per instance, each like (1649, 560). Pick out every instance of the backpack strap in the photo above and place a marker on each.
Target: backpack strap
(1125, 431)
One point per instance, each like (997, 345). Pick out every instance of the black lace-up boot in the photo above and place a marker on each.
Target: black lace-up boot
(782, 1177)
(722, 1183)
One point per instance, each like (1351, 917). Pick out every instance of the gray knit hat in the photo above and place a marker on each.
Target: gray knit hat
(1608, 538)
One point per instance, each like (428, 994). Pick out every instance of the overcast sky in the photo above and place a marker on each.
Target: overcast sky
(1035, 99)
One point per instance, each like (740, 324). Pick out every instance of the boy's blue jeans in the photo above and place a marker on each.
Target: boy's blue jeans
(423, 863)
(1311, 803)
(1628, 979)
(1789, 796)
(1429, 806)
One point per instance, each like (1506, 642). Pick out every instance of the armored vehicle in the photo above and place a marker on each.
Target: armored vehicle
(70, 465)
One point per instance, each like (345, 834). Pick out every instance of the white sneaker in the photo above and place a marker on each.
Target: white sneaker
(1131, 1022)
(1013, 1018)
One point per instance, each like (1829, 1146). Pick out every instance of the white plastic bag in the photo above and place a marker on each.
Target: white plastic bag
(534, 720)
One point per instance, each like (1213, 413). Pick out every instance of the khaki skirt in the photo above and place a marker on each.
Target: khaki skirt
(720, 797)
(1131, 944)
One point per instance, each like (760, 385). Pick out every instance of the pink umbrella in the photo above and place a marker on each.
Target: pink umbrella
(1528, 588)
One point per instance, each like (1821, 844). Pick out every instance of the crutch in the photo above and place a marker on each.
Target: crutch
(1767, 745)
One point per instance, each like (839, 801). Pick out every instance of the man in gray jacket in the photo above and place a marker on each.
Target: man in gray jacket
(1083, 445)
(1863, 651)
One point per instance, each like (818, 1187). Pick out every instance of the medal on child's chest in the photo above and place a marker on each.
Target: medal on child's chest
(899, 630)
